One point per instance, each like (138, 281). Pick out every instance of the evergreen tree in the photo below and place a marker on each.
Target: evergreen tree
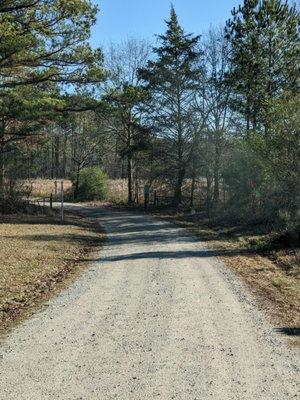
(171, 79)
(43, 52)
(264, 40)
(46, 40)
(246, 61)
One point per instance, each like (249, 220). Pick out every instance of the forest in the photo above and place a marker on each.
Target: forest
(208, 123)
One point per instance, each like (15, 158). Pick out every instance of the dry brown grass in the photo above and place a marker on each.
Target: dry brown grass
(117, 190)
(44, 187)
(37, 254)
(276, 291)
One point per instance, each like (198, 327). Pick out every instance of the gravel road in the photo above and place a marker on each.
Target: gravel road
(155, 317)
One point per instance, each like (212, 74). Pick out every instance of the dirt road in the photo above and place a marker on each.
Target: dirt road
(155, 317)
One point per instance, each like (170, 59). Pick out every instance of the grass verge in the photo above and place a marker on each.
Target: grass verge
(39, 256)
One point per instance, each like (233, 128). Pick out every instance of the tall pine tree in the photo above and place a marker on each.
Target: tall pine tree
(44, 52)
(171, 79)
(264, 38)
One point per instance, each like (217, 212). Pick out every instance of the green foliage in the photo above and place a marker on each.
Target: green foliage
(171, 80)
(125, 105)
(280, 150)
(265, 51)
(43, 48)
(46, 40)
(244, 179)
(263, 173)
(92, 184)
(44, 52)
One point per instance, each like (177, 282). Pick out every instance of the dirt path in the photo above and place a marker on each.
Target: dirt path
(156, 317)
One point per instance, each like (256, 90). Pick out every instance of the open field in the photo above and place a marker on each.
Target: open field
(117, 189)
(44, 187)
(38, 255)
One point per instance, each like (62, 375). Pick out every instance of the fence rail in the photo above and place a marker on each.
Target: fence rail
(41, 201)
(163, 201)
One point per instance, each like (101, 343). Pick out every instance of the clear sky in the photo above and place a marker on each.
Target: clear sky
(119, 19)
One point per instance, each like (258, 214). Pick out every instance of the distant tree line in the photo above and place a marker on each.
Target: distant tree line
(222, 109)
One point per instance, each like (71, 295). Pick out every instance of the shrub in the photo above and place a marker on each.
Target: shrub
(90, 184)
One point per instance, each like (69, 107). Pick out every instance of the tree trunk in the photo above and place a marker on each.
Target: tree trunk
(208, 195)
(2, 166)
(76, 190)
(57, 145)
(129, 179)
(64, 159)
(122, 169)
(193, 191)
(217, 173)
(180, 144)
(2, 176)
(193, 180)
(248, 117)
(180, 174)
(178, 190)
(52, 159)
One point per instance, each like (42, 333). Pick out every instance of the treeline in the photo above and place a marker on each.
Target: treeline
(220, 111)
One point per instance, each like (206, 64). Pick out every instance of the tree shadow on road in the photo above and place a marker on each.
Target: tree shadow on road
(180, 254)
(294, 331)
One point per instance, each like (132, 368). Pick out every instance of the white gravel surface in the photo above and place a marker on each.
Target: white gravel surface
(156, 317)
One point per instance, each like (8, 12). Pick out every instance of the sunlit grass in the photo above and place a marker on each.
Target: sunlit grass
(36, 252)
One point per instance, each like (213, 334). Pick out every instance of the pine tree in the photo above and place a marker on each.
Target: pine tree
(43, 51)
(246, 62)
(171, 79)
(265, 54)
(46, 40)
(279, 30)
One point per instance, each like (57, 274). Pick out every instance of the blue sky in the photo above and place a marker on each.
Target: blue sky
(119, 19)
